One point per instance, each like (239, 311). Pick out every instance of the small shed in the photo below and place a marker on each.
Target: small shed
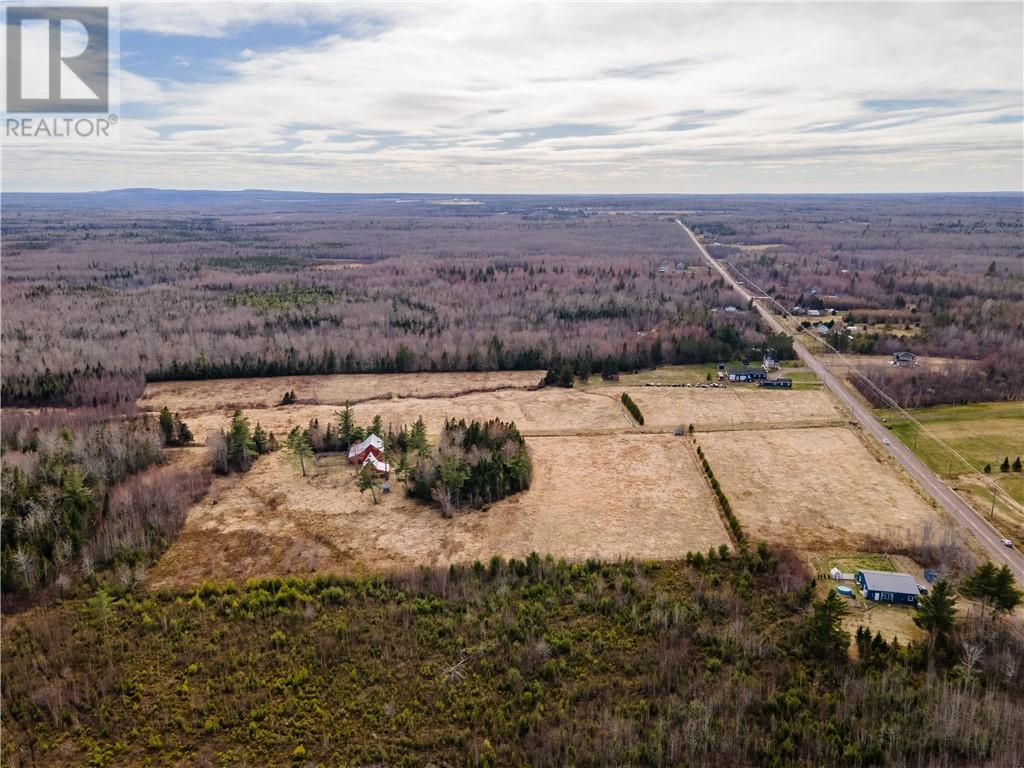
(835, 573)
(886, 587)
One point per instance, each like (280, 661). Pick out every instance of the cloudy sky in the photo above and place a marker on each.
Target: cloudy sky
(687, 98)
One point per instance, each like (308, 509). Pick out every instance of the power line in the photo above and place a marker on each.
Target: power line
(893, 404)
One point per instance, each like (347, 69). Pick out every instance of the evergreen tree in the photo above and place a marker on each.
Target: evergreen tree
(182, 432)
(402, 470)
(377, 427)
(1017, 464)
(826, 637)
(299, 445)
(346, 425)
(418, 439)
(260, 440)
(936, 614)
(167, 425)
(1005, 466)
(994, 587)
(366, 482)
(240, 447)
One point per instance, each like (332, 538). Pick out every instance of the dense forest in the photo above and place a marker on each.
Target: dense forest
(722, 660)
(106, 295)
(99, 297)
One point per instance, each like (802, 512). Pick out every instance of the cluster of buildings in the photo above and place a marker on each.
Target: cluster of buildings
(749, 374)
(370, 453)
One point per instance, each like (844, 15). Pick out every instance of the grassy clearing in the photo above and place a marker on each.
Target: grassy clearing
(803, 379)
(984, 433)
(860, 561)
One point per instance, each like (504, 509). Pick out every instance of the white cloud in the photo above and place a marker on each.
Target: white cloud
(563, 97)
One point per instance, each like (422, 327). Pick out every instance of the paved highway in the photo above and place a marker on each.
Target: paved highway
(945, 496)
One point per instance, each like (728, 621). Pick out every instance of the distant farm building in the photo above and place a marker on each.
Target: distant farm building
(770, 363)
(747, 374)
(904, 359)
(885, 587)
(377, 466)
(777, 383)
(371, 446)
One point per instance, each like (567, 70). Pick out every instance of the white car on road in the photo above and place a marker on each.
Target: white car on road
(1007, 543)
(885, 441)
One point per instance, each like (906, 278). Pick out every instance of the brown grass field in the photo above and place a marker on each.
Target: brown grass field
(199, 397)
(814, 488)
(737, 407)
(602, 485)
(605, 496)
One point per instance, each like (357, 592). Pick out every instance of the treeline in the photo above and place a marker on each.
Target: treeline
(994, 378)
(476, 464)
(90, 387)
(726, 343)
(726, 660)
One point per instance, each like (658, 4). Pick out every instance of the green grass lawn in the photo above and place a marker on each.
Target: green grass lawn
(983, 433)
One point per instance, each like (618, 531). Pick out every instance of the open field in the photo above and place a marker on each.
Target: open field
(274, 521)
(820, 488)
(547, 411)
(602, 485)
(550, 411)
(735, 407)
(983, 433)
(196, 397)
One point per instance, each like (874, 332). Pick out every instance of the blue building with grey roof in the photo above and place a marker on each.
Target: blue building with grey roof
(886, 587)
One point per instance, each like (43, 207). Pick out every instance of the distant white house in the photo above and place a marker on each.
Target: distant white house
(904, 359)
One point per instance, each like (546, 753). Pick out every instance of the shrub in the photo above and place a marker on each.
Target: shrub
(633, 408)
